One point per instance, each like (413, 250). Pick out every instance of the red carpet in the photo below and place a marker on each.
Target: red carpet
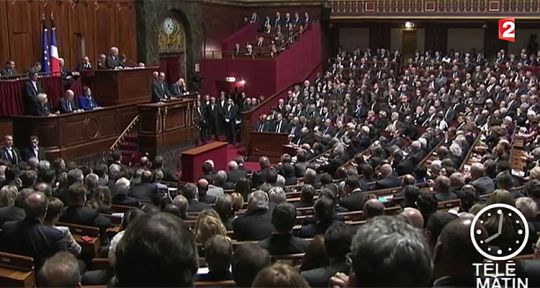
(233, 152)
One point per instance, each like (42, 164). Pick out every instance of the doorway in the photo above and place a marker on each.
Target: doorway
(408, 43)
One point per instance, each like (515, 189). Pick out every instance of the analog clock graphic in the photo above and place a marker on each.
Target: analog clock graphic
(505, 217)
(168, 26)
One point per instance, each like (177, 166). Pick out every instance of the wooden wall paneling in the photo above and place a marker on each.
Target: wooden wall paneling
(126, 35)
(19, 32)
(4, 33)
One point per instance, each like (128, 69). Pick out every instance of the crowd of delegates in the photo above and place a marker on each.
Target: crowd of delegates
(275, 34)
(364, 108)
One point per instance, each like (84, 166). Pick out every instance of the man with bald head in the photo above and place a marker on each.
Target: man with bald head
(202, 187)
(373, 208)
(414, 217)
(67, 103)
(29, 237)
(146, 190)
(235, 173)
(454, 256)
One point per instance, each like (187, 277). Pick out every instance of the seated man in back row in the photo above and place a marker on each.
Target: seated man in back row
(86, 101)
(68, 104)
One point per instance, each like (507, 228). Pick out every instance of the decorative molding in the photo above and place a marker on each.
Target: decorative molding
(266, 3)
(426, 9)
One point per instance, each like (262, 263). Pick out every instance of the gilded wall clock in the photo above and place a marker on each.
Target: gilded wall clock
(171, 38)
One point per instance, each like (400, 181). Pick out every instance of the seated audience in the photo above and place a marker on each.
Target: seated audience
(54, 210)
(194, 205)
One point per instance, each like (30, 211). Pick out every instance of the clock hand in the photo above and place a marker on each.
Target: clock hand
(500, 224)
(492, 237)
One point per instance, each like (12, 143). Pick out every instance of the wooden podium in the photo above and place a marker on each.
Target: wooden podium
(127, 86)
(267, 144)
(74, 135)
(193, 159)
(165, 124)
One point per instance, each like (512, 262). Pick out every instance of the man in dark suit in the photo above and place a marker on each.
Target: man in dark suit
(260, 176)
(85, 64)
(388, 179)
(202, 188)
(354, 201)
(9, 152)
(9, 69)
(191, 194)
(29, 237)
(231, 115)
(67, 75)
(34, 150)
(146, 190)
(67, 103)
(281, 126)
(212, 117)
(32, 88)
(234, 173)
(479, 179)
(121, 191)
(113, 60)
(282, 241)
(337, 243)
(256, 222)
(160, 91)
(77, 213)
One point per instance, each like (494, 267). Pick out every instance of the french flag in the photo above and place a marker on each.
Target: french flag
(45, 59)
(55, 58)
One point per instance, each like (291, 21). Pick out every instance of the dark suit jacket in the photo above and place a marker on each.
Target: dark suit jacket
(31, 93)
(84, 216)
(83, 67)
(319, 277)
(112, 63)
(484, 185)
(4, 154)
(121, 199)
(388, 182)
(160, 91)
(254, 225)
(64, 105)
(314, 229)
(355, 201)
(41, 110)
(11, 213)
(29, 153)
(197, 206)
(29, 237)
(234, 175)
(146, 192)
(280, 244)
(259, 177)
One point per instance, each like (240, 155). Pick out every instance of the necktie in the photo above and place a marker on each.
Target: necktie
(36, 152)
(69, 106)
(35, 86)
(278, 127)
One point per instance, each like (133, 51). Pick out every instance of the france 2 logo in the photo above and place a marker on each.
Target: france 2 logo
(507, 29)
